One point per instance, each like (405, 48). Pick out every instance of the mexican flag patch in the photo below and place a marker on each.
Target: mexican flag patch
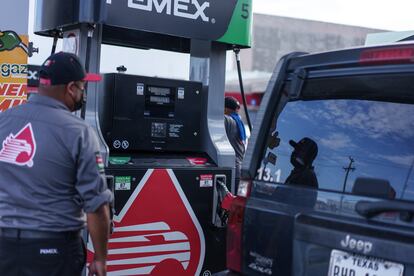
(99, 163)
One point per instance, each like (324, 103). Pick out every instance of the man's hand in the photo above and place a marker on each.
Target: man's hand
(97, 268)
(98, 227)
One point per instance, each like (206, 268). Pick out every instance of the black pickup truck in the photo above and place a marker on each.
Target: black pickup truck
(328, 180)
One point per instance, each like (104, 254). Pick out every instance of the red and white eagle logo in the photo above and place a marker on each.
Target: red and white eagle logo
(156, 232)
(19, 149)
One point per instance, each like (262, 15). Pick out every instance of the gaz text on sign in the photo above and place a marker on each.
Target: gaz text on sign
(13, 69)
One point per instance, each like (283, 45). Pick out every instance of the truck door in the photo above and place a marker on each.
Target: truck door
(357, 220)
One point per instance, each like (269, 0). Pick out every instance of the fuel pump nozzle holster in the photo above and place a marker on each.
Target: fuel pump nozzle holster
(225, 198)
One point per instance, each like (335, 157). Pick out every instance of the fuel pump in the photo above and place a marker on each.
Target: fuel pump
(163, 140)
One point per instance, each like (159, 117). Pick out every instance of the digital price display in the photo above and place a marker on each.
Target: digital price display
(160, 102)
(160, 95)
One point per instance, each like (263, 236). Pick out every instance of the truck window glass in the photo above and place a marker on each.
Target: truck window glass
(364, 147)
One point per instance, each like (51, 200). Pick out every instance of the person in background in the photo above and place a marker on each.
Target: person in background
(236, 133)
(302, 157)
(51, 173)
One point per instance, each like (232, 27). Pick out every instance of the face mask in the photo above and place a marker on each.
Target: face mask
(78, 105)
(296, 160)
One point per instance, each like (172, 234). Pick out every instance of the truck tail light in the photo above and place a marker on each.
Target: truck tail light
(235, 227)
(388, 55)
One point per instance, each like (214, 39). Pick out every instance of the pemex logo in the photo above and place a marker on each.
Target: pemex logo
(156, 232)
(19, 149)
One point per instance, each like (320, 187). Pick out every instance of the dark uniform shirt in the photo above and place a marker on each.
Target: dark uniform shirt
(237, 144)
(50, 168)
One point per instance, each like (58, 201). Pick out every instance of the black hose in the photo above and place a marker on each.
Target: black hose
(236, 52)
(91, 29)
(55, 40)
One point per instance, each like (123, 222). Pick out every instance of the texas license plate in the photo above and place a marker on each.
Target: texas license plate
(346, 264)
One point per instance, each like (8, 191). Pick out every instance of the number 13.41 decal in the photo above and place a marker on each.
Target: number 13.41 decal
(265, 174)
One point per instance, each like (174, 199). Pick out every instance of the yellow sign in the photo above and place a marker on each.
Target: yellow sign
(13, 69)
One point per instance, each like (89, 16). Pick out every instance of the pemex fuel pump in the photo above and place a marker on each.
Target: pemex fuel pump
(163, 140)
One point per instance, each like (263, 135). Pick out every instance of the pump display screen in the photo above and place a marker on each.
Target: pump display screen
(159, 102)
(160, 95)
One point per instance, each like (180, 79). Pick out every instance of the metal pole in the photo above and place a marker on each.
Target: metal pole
(348, 170)
(55, 41)
(406, 180)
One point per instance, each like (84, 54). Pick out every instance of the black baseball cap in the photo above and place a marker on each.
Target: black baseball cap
(231, 103)
(307, 146)
(62, 68)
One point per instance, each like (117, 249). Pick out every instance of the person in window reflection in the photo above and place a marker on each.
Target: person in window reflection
(303, 155)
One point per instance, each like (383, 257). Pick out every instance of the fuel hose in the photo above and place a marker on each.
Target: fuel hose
(237, 53)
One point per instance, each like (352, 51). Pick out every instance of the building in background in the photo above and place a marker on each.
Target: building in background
(275, 36)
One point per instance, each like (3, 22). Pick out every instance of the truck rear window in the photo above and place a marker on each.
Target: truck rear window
(363, 147)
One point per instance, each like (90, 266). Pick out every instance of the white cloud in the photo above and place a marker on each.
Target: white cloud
(377, 121)
(405, 160)
(336, 141)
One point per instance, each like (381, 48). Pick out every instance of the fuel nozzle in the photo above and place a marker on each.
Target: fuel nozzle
(225, 198)
(9, 40)
(225, 195)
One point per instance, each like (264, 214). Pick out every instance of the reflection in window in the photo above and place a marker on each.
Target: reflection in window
(361, 144)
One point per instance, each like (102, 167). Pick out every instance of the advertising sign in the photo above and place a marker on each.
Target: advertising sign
(228, 21)
(202, 19)
(13, 69)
